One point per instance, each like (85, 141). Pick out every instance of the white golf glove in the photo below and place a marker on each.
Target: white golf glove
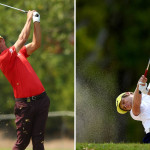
(143, 88)
(36, 17)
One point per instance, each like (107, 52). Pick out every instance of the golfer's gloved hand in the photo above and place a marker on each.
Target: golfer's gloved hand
(36, 17)
(143, 88)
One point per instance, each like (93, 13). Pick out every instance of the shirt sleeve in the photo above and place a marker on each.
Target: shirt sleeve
(7, 57)
(135, 117)
(23, 51)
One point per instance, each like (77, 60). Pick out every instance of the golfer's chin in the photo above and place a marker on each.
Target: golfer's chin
(129, 108)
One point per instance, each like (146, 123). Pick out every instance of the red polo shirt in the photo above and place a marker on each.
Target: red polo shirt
(19, 73)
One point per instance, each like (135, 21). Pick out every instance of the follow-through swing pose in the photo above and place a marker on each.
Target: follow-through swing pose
(138, 103)
(31, 100)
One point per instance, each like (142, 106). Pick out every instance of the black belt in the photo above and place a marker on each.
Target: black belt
(33, 98)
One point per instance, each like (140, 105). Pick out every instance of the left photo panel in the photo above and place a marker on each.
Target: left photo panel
(37, 75)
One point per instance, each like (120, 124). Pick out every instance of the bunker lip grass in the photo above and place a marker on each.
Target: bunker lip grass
(112, 146)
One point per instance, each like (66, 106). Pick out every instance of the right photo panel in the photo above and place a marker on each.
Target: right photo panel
(112, 75)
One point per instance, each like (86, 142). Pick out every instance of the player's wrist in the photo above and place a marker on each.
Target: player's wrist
(29, 19)
(137, 88)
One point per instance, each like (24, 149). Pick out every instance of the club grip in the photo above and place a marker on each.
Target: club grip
(145, 74)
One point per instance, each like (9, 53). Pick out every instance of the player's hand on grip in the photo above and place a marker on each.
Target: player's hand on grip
(143, 79)
(36, 17)
(143, 85)
(143, 88)
(30, 14)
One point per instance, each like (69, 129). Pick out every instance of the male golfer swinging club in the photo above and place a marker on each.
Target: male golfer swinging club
(138, 103)
(31, 100)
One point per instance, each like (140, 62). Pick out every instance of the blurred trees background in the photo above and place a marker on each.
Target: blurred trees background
(53, 61)
(113, 49)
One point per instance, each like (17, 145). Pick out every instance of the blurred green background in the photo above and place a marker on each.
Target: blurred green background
(113, 49)
(53, 61)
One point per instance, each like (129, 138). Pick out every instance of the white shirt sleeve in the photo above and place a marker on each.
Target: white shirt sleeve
(135, 117)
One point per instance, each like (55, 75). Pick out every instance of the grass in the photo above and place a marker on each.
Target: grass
(112, 146)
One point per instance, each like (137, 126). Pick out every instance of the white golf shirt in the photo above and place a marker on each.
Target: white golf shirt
(144, 116)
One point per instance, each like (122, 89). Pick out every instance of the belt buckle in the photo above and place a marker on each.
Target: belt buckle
(33, 97)
(28, 99)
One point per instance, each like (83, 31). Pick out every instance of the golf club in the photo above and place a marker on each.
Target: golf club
(145, 74)
(14, 8)
(17, 9)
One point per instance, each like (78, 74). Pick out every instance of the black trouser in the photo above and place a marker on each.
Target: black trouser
(30, 122)
(146, 139)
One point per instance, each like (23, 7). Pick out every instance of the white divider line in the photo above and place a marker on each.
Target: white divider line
(50, 114)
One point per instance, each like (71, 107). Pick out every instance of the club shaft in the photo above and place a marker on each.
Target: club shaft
(148, 66)
(14, 8)
(145, 74)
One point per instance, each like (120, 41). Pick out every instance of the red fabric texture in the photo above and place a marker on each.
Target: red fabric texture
(19, 73)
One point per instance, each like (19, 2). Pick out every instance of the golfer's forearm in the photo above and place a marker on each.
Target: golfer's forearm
(37, 35)
(137, 96)
(25, 31)
(136, 101)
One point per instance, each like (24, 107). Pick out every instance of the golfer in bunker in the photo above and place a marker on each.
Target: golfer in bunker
(31, 101)
(138, 103)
